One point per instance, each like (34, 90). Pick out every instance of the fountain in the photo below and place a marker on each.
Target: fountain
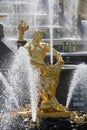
(44, 105)
(32, 78)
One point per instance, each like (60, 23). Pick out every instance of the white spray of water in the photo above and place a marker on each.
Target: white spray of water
(25, 79)
(34, 80)
(51, 29)
(10, 97)
(17, 75)
(79, 77)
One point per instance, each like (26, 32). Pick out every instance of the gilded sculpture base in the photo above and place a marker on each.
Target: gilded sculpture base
(45, 115)
(72, 115)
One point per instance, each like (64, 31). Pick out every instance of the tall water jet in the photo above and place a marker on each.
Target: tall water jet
(25, 80)
(51, 29)
(79, 79)
(34, 82)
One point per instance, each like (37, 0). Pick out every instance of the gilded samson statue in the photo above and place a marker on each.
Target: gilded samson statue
(49, 73)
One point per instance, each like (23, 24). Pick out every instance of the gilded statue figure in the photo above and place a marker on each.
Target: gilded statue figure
(22, 27)
(49, 73)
